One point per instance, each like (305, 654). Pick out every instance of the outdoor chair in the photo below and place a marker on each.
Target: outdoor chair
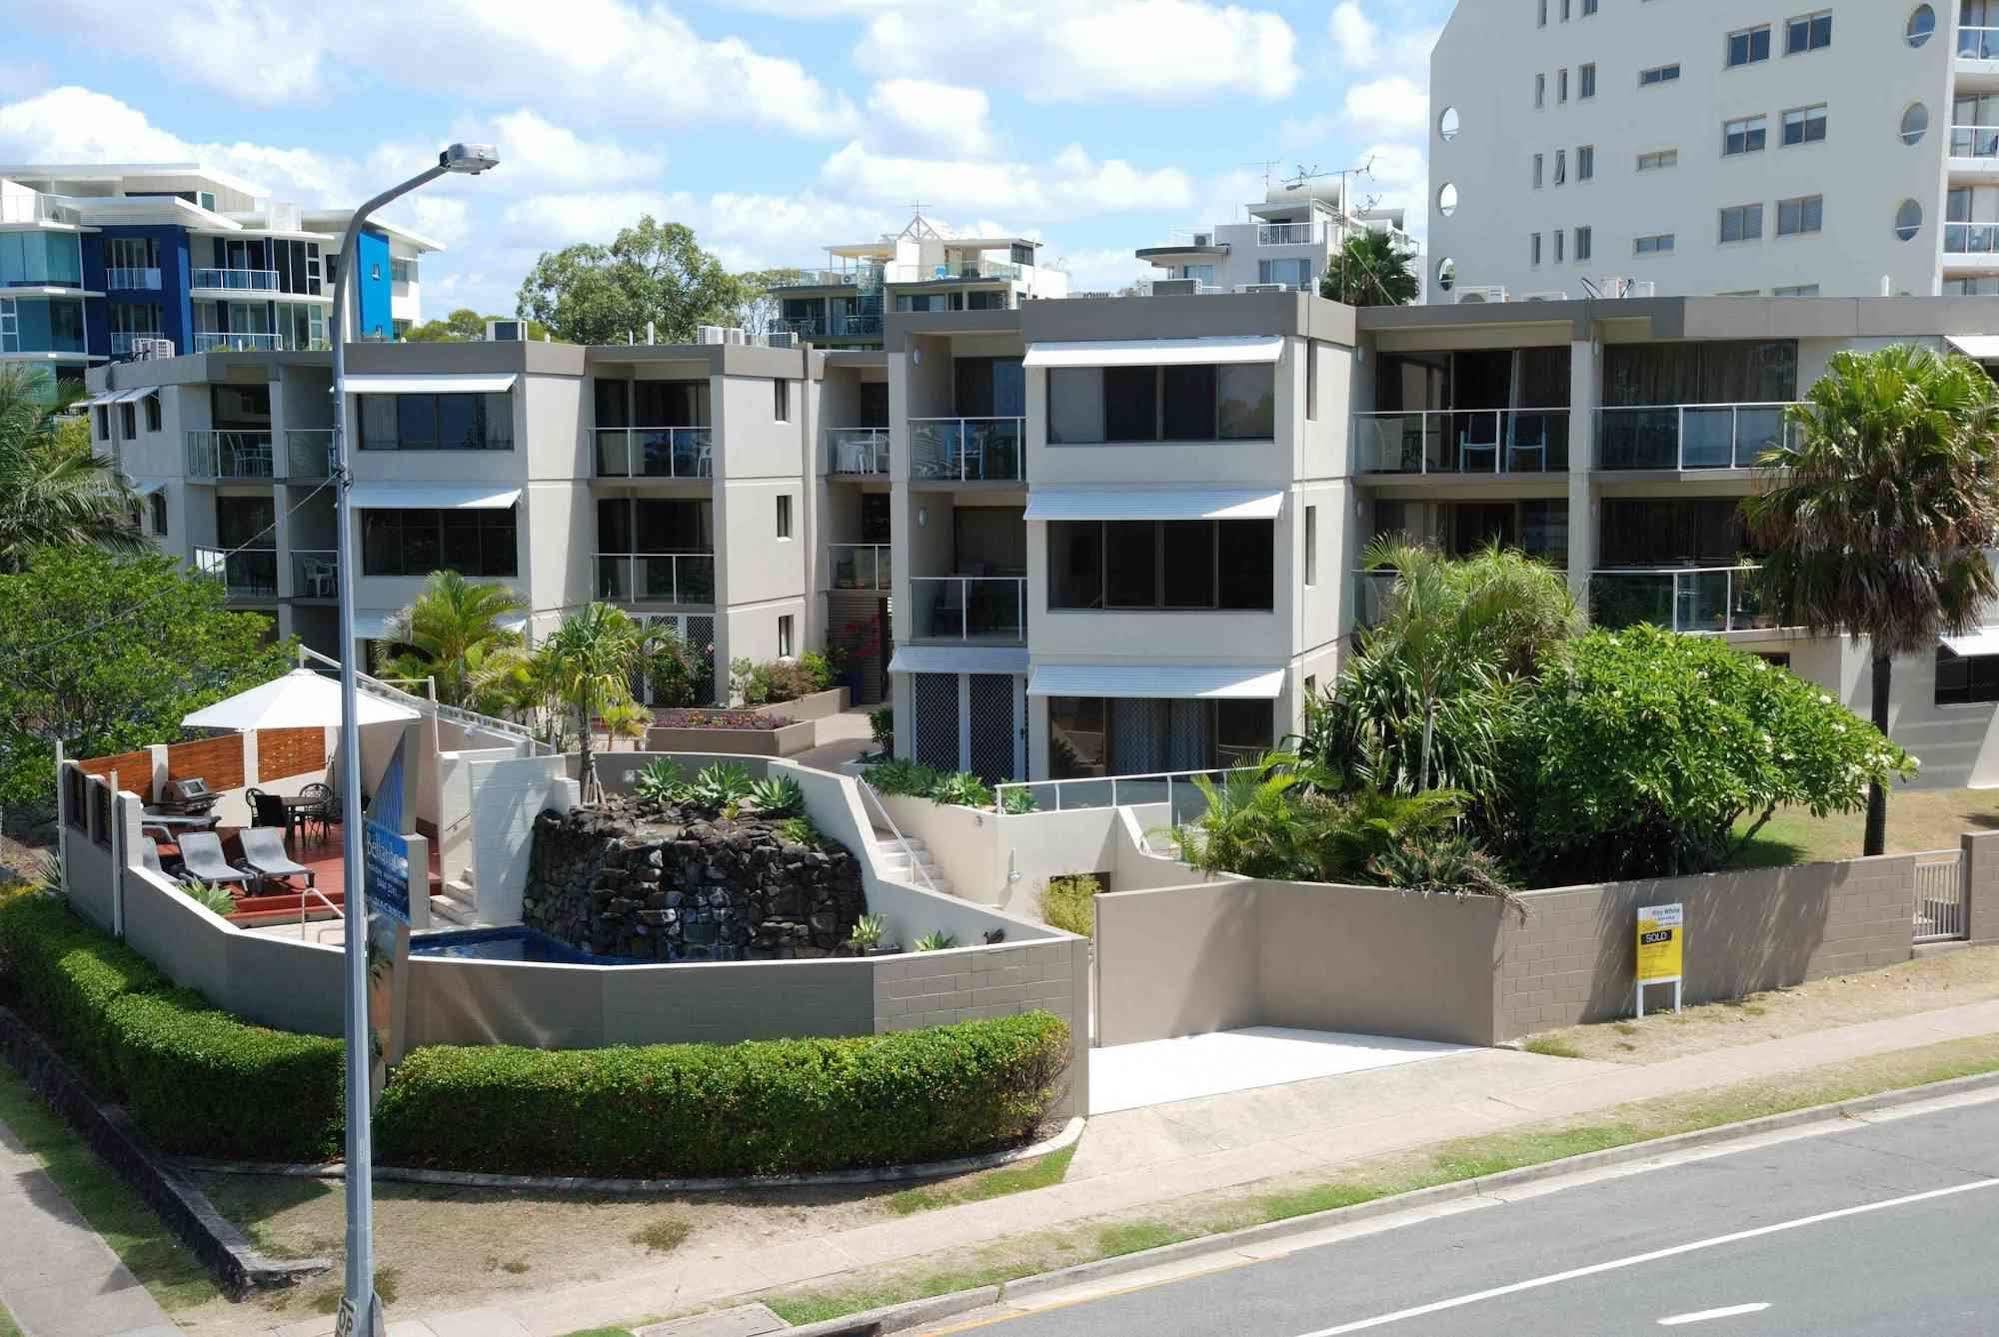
(325, 809)
(268, 810)
(151, 859)
(264, 854)
(202, 861)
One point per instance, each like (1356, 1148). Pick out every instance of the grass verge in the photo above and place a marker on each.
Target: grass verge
(8, 1328)
(142, 1242)
(1445, 1163)
(1039, 1173)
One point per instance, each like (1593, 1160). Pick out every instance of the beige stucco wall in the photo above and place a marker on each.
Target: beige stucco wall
(1178, 962)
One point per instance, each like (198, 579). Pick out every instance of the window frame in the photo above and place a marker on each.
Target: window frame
(1823, 121)
(1755, 127)
(375, 557)
(787, 636)
(152, 403)
(783, 517)
(1160, 566)
(484, 416)
(1660, 160)
(1748, 35)
(1659, 74)
(1585, 163)
(1586, 80)
(780, 401)
(1663, 243)
(1972, 692)
(1810, 207)
(1811, 24)
(1161, 396)
(1744, 213)
(1585, 243)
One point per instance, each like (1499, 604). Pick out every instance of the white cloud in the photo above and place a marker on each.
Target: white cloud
(535, 151)
(1354, 34)
(1073, 184)
(1394, 104)
(917, 116)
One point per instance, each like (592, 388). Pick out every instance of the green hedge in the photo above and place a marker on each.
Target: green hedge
(196, 1081)
(199, 1082)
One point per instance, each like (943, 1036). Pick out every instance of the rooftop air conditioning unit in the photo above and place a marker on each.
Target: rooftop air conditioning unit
(1263, 287)
(781, 339)
(1615, 285)
(1479, 296)
(1550, 295)
(711, 334)
(147, 349)
(506, 331)
(1175, 287)
(1204, 239)
(733, 334)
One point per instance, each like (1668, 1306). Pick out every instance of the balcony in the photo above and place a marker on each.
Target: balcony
(1689, 437)
(967, 450)
(857, 452)
(309, 453)
(315, 575)
(803, 327)
(1491, 442)
(124, 343)
(222, 341)
(656, 577)
(236, 280)
(1290, 234)
(228, 454)
(1971, 239)
(861, 566)
(1978, 43)
(1704, 600)
(977, 610)
(862, 276)
(855, 327)
(1974, 141)
(124, 278)
(251, 574)
(655, 452)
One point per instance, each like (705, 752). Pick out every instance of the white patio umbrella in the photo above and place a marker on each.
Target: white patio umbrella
(301, 699)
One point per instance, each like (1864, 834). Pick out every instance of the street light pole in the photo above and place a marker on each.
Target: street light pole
(360, 1312)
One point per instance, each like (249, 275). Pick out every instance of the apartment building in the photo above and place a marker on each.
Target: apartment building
(1582, 147)
(106, 262)
(921, 268)
(667, 480)
(1287, 244)
(1616, 440)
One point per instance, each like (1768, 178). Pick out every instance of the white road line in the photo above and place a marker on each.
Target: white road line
(1707, 1315)
(1637, 1260)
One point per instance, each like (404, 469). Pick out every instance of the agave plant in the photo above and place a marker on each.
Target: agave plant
(721, 786)
(1018, 802)
(211, 898)
(936, 941)
(962, 790)
(868, 931)
(660, 781)
(778, 797)
(911, 779)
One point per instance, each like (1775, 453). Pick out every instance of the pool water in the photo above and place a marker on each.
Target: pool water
(519, 943)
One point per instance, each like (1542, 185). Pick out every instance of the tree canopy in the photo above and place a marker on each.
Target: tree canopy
(653, 271)
(449, 633)
(465, 325)
(1372, 269)
(54, 491)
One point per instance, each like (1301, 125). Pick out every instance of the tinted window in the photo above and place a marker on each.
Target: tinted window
(1130, 404)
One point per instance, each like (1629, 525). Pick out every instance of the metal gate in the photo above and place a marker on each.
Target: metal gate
(698, 630)
(1941, 910)
(935, 696)
(971, 722)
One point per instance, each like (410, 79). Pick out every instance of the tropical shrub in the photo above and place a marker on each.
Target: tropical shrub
(909, 779)
(1018, 802)
(720, 719)
(214, 899)
(822, 671)
(868, 932)
(1070, 904)
(660, 781)
(1446, 863)
(779, 796)
(777, 681)
(719, 786)
(936, 940)
(881, 723)
(801, 831)
(963, 790)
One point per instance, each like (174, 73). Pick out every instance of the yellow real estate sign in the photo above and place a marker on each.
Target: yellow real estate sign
(1661, 944)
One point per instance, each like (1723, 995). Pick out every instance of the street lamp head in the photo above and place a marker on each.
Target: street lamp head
(471, 159)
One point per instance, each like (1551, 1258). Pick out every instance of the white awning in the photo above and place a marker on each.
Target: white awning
(148, 489)
(1166, 503)
(132, 396)
(957, 659)
(1179, 682)
(97, 401)
(1228, 348)
(431, 497)
(432, 385)
(1984, 641)
(1978, 347)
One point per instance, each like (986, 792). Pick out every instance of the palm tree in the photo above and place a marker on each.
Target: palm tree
(55, 492)
(1876, 511)
(595, 654)
(1372, 269)
(449, 632)
(627, 719)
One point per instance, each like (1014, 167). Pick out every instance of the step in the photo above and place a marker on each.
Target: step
(452, 910)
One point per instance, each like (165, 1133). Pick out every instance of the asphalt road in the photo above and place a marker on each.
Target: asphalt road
(1891, 1229)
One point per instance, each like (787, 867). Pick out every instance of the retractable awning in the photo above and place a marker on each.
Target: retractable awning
(957, 659)
(1984, 641)
(1167, 503)
(479, 384)
(1215, 349)
(148, 489)
(1977, 347)
(431, 497)
(1179, 682)
(132, 396)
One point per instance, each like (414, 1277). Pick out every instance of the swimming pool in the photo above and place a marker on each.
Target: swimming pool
(518, 943)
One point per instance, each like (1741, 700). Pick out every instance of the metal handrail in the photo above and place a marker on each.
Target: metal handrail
(883, 565)
(1681, 414)
(631, 590)
(471, 719)
(238, 568)
(902, 841)
(1978, 43)
(687, 452)
(868, 446)
(1000, 791)
(228, 454)
(1970, 238)
(240, 341)
(235, 280)
(1979, 141)
(1504, 442)
(1289, 234)
(131, 276)
(945, 448)
(313, 566)
(1018, 585)
(1684, 586)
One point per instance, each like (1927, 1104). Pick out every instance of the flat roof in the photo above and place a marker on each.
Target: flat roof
(1710, 317)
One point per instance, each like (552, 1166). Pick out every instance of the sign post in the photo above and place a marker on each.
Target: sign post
(1662, 943)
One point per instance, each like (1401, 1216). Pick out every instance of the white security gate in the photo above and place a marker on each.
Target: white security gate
(1941, 912)
(971, 722)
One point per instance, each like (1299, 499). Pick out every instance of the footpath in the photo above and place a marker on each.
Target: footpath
(1153, 1157)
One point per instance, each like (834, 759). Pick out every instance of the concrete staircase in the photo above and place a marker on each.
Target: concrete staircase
(457, 904)
(901, 860)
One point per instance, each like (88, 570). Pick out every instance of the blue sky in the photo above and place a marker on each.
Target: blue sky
(772, 127)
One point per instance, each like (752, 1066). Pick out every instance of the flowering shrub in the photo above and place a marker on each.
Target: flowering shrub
(718, 719)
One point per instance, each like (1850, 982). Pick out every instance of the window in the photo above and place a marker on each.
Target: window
(784, 515)
(1658, 244)
(437, 422)
(1560, 237)
(1915, 123)
(1748, 46)
(103, 417)
(786, 642)
(1987, 286)
(1909, 221)
(1584, 242)
(152, 403)
(402, 271)
(1110, 405)
(1540, 91)
(1561, 166)
(128, 421)
(1658, 74)
(1804, 125)
(1311, 382)
(1539, 162)
(416, 543)
(1797, 290)
(1658, 160)
(1586, 163)
(1743, 222)
(1544, 13)
(1586, 80)
(1296, 274)
(1964, 680)
(1922, 25)
(1149, 565)
(1809, 33)
(1311, 545)
(1091, 736)
(1562, 84)
(158, 505)
(1567, 5)
(1799, 216)
(780, 401)
(1747, 135)
(1534, 248)
(1589, 8)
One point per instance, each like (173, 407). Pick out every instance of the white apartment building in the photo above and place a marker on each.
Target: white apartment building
(1846, 149)
(920, 268)
(1286, 244)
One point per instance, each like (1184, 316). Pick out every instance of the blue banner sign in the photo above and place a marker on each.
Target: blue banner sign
(386, 868)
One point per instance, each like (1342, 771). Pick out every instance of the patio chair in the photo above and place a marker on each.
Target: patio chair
(153, 861)
(325, 809)
(264, 854)
(202, 861)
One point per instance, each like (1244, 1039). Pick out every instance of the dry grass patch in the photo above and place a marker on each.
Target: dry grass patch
(1918, 820)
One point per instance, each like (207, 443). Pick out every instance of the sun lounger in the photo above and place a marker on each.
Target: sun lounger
(201, 856)
(264, 854)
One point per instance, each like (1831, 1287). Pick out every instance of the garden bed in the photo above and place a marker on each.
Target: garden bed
(817, 706)
(735, 733)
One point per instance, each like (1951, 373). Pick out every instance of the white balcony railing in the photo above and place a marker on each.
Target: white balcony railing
(1690, 436)
(655, 452)
(801, 327)
(1462, 441)
(236, 280)
(218, 341)
(1979, 239)
(1978, 43)
(987, 610)
(250, 574)
(1688, 599)
(228, 454)
(861, 566)
(656, 577)
(1290, 234)
(1974, 141)
(28, 206)
(967, 449)
(860, 452)
(118, 277)
(1185, 801)
(315, 573)
(309, 452)
(124, 342)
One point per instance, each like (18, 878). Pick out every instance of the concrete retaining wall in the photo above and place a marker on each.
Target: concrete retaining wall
(783, 741)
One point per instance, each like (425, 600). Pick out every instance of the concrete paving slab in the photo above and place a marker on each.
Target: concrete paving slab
(742, 1321)
(1158, 1072)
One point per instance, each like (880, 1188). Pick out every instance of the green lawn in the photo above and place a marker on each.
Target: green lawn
(8, 1328)
(1918, 819)
(1019, 1178)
